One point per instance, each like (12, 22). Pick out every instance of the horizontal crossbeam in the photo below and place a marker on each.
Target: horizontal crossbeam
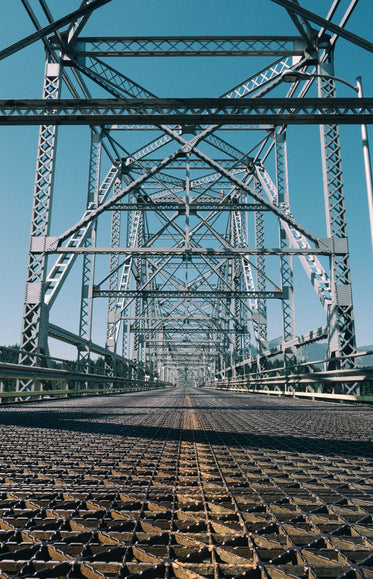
(203, 206)
(195, 330)
(229, 252)
(181, 319)
(190, 46)
(182, 344)
(187, 294)
(277, 111)
(132, 164)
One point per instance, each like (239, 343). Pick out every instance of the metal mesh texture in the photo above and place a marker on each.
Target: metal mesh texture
(186, 484)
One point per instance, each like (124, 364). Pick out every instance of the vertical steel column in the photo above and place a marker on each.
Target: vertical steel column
(86, 304)
(286, 262)
(246, 336)
(152, 353)
(126, 332)
(341, 327)
(235, 285)
(367, 163)
(227, 316)
(34, 338)
(144, 313)
(113, 272)
(113, 285)
(138, 301)
(133, 221)
(261, 272)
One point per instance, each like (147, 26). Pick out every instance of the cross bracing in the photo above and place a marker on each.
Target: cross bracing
(195, 226)
(191, 46)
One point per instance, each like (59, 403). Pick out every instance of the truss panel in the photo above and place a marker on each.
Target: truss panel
(190, 235)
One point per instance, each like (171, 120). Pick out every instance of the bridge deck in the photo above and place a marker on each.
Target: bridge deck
(186, 484)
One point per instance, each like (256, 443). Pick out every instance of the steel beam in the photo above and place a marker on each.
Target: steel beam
(146, 46)
(113, 272)
(187, 253)
(186, 294)
(196, 330)
(275, 111)
(174, 205)
(312, 17)
(261, 273)
(60, 270)
(50, 28)
(228, 252)
(286, 264)
(86, 302)
(79, 342)
(341, 340)
(34, 337)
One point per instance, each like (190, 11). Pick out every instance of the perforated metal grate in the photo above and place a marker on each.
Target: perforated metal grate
(168, 484)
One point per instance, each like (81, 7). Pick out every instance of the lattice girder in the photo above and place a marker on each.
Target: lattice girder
(187, 277)
(341, 320)
(34, 337)
(86, 303)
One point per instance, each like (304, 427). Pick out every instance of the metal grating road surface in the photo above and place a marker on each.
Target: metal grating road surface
(186, 484)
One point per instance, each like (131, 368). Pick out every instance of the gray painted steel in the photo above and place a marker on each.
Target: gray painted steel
(186, 216)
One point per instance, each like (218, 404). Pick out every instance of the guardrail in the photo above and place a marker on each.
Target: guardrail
(323, 363)
(43, 377)
(315, 385)
(11, 355)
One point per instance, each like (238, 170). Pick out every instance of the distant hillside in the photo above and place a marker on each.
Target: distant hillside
(309, 353)
(318, 350)
(366, 360)
(313, 352)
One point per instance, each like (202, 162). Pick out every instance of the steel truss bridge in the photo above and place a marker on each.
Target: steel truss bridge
(194, 222)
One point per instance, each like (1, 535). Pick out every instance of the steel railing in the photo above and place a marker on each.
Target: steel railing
(307, 382)
(68, 379)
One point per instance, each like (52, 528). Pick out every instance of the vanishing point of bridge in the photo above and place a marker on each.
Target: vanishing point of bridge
(211, 450)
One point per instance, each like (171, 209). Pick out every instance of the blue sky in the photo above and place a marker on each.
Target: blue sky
(22, 78)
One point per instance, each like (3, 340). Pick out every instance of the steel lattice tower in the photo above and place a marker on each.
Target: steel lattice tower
(188, 279)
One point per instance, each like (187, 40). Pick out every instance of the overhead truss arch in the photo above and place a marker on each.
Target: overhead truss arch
(202, 233)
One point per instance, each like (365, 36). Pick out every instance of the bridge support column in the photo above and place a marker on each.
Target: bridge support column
(261, 280)
(112, 314)
(34, 337)
(86, 301)
(112, 321)
(286, 262)
(138, 337)
(341, 327)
